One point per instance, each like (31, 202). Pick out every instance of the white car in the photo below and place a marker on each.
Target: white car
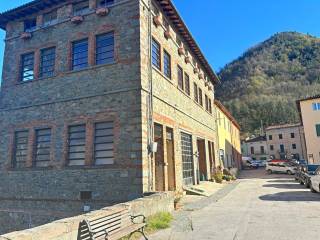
(280, 167)
(315, 181)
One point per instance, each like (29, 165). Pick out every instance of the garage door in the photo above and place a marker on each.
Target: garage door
(187, 159)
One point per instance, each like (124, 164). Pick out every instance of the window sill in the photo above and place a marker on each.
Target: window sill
(35, 80)
(91, 67)
(162, 74)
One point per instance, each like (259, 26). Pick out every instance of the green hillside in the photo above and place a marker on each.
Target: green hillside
(265, 82)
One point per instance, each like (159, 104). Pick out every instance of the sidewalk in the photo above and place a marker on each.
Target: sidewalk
(182, 224)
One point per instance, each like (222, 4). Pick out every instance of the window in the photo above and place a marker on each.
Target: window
(316, 106)
(270, 137)
(105, 3)
(81, 8)
(42, 148)
(262, 149)
(105, 48)
(30, 25)
(195, 91)
(48, 57)
(280, 136)
(187, 83)
(156, 54)
(271, 147)
(210, 106)
(294, 146)
(20, 149)
(206, 100)
(80, 54)
(178, 41)
(50, 18)
(77, 145)
(27, 71)
(103, 143)
(167, 64)
(318, 130)
(252, 150)
(292, 135)
(281, 148)
(180, 78)
(200, 97)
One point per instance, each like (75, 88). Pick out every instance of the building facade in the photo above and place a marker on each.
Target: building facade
(101, 102)
(228, 138)
(309, 109)
(256, 148)
(286, 141)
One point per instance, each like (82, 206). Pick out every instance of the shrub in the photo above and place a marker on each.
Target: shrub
(159, 221)
(226, 172)
(218, 176)
(227, 178)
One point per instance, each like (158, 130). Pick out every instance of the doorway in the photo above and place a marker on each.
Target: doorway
(170, 160)
(159, 158)
(202, 160)
(187, 159)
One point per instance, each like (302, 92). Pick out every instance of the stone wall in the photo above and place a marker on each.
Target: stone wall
(67, 229)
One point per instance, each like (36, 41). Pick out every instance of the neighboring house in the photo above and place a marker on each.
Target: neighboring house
(286, 141)
(87, 93)
(229, 137)
(256, 148)
(309, 109)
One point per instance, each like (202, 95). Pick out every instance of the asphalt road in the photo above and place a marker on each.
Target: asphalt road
(260, 207)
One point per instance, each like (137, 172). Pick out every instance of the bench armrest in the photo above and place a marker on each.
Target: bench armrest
(138, 216)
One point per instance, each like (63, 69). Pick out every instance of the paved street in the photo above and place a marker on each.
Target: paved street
(260, 207)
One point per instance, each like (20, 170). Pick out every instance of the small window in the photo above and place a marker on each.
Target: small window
(180, 78)
(77, 145)
(105, 3)
(178, 41)
(271, 147)
(314, 106)
(30, 25)
(318, 130)
(270, 137)
(167, 64)
(27, 71)
(280, 136)
(80, 54)
(252, 150)
(294, 146)
(292, 135)
(81, 8)
(50, 18)
(187, 83)
(42, 148)
(210, 106)
(103, 143)
(200, 97)
(105, 48)
(262, 149)
(20, 149)
(206, 101)
(156, 54)
(48, 57)
(195, 92)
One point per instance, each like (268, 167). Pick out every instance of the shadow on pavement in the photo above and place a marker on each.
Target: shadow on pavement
(262, 174)
(282, 181)
(295, 196)
(285, 186)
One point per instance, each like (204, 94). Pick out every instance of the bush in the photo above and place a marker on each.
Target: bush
(233, 178)
(226, 172)
(227, 178)
(159, 221)
(218, 176)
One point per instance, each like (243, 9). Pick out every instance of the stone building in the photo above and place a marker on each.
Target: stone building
(309, 109)
(256, 148)
(101, 101)
(228, 137)
(286, 141)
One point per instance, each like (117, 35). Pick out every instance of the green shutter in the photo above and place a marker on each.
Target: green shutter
(318, 130)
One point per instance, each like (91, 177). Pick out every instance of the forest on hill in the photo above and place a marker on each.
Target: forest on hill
(265, 82)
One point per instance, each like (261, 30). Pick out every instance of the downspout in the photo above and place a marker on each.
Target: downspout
(150, 102)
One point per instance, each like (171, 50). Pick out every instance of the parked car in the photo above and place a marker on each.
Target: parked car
(309, 171)
(251, 164)
(280, 167)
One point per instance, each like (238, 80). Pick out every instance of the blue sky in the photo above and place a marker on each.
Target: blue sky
(224, 29)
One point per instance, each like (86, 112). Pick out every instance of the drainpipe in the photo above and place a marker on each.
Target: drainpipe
(150, 102)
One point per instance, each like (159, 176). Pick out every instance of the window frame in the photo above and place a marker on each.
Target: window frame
(28, 22)
(54, 12)
(41, 72)
(156, 62)
(294, 146)
(318, 130)
(108, 135)
(110, 35)
(195, 92)
(23, 77)
(69, 145)
(107, 3)
(37, 141)
(187, 83)
(280, 136)
(180, 77)
(167, 64)
(15, 149)
(200, 97)
(82, 10)
(74, 66)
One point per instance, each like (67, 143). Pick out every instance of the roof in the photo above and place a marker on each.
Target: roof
(257, 139)
(166, 5)
(227, 113)
(283, 126)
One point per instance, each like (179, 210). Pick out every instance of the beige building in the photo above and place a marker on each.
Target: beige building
(309, 109)
(229, 137)
(286, 141)
(256, 148)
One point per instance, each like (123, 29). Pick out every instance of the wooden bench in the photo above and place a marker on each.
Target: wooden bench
(111, 225)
